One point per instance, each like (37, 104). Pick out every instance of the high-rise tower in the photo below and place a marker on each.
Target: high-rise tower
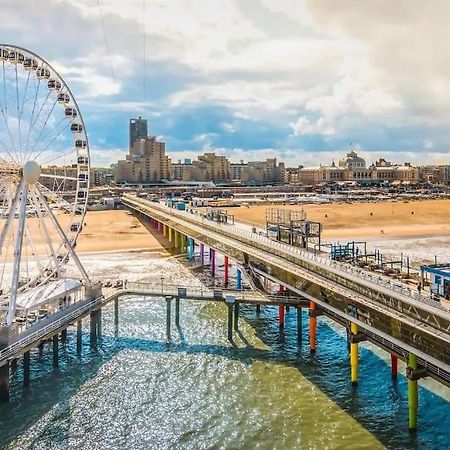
(138, 130)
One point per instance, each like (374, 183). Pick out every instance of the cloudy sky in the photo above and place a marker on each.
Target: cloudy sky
(299, 80)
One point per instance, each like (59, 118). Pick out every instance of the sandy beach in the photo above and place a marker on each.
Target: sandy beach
(429, 218)
(103, 231)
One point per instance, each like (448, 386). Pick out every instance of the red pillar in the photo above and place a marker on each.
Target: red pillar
(281, 316)
(226, 270)
(394, 366)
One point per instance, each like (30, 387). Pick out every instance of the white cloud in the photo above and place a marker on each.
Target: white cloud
(229, 127)
(304, 126)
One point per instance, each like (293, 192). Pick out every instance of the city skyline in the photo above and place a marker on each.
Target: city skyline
(298, 81)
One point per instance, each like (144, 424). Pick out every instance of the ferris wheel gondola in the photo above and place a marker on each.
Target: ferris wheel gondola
(44, 174)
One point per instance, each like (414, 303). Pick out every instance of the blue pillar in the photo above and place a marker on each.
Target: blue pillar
(191, 248)
(238, 279)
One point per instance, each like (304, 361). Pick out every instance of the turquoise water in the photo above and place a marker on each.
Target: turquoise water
(137, 391)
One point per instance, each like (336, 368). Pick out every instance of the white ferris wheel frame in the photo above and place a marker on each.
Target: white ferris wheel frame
(37, 194)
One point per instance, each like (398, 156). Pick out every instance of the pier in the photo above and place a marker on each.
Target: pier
(388, 313)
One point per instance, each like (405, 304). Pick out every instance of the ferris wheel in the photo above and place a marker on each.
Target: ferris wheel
(44, 175)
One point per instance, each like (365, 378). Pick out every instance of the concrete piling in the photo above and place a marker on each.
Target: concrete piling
(26, 368)
(64, 335)
(236, 316)
(230, 322)
(116, 315)
(93, 329)
(4, 383)
(299, 323)
(79, 335)
(168, 317)
(55, 350)
(177, 312)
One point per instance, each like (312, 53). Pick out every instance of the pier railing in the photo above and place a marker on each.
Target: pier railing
(29, 339)
(200, 293)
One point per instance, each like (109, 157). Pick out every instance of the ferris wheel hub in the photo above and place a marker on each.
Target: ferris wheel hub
(31, 172)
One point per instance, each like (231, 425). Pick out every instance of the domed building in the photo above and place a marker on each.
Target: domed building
(352, 161)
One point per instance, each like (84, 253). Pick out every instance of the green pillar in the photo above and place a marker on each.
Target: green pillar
(183, 243)
(413, 394)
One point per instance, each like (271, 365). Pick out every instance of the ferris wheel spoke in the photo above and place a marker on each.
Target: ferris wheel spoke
(54, 138)
(55, 158)
(18, 109)
(37, 204)
(32, 113)
(58, 177)
(17, 254)
(4, 111)
(11, 215)
(64, 237)
(29, 153)
(25, 93)
(7, 151)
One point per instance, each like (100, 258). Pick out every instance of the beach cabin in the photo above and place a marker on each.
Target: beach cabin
(439, 276)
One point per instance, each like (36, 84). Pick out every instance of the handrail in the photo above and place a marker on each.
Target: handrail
(13, 348)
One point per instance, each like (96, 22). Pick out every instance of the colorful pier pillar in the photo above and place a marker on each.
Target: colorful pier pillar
(281, 309)
(212, 256)
(354, 354)
(281, 316)
(394, 366)
(226, 270)
(413, 393)
(164, 230)
(238, 279)
(176, 238)
(202, 254)
(312, 327)
(183, 243)
(170, 234)
(191, 248)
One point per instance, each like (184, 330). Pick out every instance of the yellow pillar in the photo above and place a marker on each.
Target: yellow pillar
(413, 394)
(164, 230)
(354, 355)
(170, 234)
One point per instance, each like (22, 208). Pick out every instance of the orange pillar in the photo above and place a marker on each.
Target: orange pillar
(312, 327)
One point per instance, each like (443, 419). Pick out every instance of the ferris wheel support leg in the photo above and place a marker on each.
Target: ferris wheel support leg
(64, 238)
(10, 219)
(48, 241)
(17, 254)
